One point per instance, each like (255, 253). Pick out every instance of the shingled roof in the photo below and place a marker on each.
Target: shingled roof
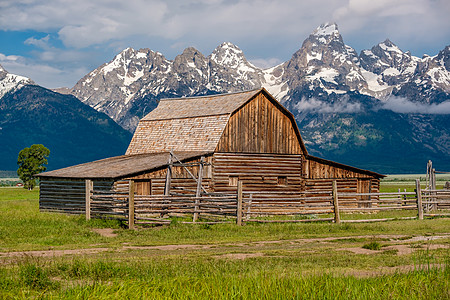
(204, 106)
(120, 166)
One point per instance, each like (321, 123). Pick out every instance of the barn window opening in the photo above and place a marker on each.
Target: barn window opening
(233, 180)
(282, 180)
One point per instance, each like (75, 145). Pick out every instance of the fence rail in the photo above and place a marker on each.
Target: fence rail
(256, 206)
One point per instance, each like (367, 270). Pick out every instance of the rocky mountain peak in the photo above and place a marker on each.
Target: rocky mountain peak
(325, 62)
(10, 81)
(388, 61)
(326, 32)
(228, 54)
(190, 58)
(444, 57)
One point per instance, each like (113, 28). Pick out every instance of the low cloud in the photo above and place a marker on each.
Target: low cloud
(405, 106)
(265, 63)
(319, 106)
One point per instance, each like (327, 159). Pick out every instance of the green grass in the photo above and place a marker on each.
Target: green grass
(372, 246)
(16, 193)
(285, 268)
(23, 227)
(208, 278)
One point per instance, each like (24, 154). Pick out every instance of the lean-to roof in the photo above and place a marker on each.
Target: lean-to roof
(120, 166)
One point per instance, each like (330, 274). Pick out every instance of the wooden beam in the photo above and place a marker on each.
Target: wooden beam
(168, 176)
(239, 204)
(419, 200)
(88, 194)
(131, 204)
(199, 188)
(187, 170)
(337, 217)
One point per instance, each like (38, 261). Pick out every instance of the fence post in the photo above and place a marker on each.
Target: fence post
(419, 200)
(88, 194)
(249, 207)
(198, 192)
(239, 204)
(131, 204)
(337, 217)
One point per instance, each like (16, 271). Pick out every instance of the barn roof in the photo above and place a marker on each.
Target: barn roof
(193, 124)
(120, 166)
(204, 106)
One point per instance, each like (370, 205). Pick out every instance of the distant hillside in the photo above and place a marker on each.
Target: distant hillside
(74, 132)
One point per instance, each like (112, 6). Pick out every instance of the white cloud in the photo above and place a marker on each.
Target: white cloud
(262, 28)
(43, 74)
(403, 105)
(265, 63)
(85, 22)
(319, 106)
(41, 43)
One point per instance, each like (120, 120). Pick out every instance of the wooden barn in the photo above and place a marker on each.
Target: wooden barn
(215, 140)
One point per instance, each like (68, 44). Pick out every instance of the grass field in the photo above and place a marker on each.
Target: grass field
(49, 255)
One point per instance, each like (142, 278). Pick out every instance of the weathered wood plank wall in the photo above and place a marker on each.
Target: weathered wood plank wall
(259, 127)
(67, 195)
(258, 172)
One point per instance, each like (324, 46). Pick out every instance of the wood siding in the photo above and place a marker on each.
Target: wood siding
(258, 172)
(260, 127)
(67, 195)
(314, 170)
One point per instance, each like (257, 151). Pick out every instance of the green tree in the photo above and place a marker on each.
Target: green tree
(32, 161)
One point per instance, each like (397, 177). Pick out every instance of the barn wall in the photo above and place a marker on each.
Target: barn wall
(153, 183)
(315, 170)
(67, 195)
(259, 127)
(258, 172)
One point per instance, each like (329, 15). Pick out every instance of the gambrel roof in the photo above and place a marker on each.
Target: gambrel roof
(194, 124)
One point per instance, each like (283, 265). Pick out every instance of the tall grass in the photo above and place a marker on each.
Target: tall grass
(181, 278)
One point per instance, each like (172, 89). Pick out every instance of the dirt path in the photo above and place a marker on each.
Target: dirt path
(394, 239)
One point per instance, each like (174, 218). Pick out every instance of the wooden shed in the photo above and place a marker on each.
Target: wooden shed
(247, 136)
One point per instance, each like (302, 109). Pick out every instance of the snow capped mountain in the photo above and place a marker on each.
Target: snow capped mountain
(11, 82)
(349, 107)
(230, 69)
(117, 88)
(325, 63)
(324, 68)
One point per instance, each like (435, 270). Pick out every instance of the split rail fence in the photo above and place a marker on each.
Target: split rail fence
(264, 207)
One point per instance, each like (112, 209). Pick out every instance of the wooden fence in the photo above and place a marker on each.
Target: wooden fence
(263, 207)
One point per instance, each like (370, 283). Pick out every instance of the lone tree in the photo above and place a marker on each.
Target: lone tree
(31, 161)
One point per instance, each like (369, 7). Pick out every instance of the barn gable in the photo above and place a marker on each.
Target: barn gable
(262, 125)
(252, 122)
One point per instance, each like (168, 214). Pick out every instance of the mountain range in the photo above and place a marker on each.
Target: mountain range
(383, 109)
(73, 131)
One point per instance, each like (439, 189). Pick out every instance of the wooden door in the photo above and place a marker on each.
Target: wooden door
(143, 187)
(364, 186)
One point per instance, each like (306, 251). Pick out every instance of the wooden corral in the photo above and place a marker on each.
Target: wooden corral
(219, 141)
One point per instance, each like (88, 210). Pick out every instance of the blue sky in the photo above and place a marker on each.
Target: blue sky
(57, 42)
